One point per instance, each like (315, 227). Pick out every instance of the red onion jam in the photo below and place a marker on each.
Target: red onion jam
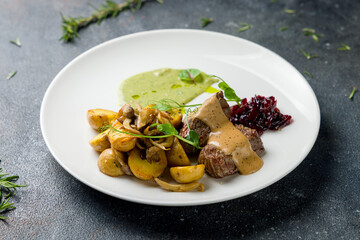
(260, 113)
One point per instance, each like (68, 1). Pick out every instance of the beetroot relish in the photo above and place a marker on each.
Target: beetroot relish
(260, 113)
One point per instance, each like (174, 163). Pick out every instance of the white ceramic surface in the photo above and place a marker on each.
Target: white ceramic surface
(91, 81)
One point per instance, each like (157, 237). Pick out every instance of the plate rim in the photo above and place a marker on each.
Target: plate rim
(188, 202)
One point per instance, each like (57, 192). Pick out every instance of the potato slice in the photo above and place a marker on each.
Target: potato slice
(100, 117)
(180, 187)
(100, 142)
(144, 170)
(121, 141)
(176, 156)
(108, 164)
(187, 174)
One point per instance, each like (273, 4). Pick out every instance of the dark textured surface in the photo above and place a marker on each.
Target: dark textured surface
(318, 200)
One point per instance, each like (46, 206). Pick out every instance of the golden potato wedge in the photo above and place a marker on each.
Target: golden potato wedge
(108, 164)
(187, 174)
(144, 170)
(180, 187)
(121, 141)
(176, 156)
(100, 142)
(100, 117)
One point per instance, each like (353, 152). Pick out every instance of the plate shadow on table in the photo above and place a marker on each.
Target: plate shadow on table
(243, 217)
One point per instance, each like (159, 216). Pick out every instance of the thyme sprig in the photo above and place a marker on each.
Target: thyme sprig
(206, 21)
(7, 185)
(72, 25)
(308, 74)
(308, 55)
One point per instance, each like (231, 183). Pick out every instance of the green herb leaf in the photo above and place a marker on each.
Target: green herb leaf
(308, 55)
(245, 26)
(344, 47)
(7, 185)
(353, 92)
(290, 11)
(283, 28)
(167, 128)
(206, 21)
(273, 1)
(311, 32)
(11, 75)
(229, 93)
(189, 74)
(308, 74)
(16, 42)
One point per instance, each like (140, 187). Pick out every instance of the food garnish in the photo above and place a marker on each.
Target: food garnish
(11, 75)
(245, 26)
(344, 47)
(308, 55)
(72, 25)
(283, 28)
(290, 11)
(16, 42)
(206, 21)
(189, 75)
(353, 92)
(311, 32)
(7, 186)
(308, 74)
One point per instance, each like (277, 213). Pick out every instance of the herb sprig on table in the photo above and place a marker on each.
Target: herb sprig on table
(72, 25)
(7, 186)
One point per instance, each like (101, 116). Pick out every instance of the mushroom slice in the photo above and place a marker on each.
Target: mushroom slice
(180, 187)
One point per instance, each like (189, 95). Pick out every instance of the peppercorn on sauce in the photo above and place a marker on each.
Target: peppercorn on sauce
(226, 137)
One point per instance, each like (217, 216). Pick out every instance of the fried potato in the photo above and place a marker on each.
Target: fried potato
(121, 141)
(176, 156)
(108, 164)
(180, 187)
(143, 169)
(100, 142)
(187, 174)
(100, 117)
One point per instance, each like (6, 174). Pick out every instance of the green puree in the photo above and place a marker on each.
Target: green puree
(148, 87)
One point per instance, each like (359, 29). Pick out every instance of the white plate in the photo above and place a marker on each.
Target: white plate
(91, 80)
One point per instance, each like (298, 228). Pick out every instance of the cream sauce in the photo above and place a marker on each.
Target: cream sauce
(226, 137)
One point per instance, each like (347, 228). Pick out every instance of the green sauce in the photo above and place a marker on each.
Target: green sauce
(148, 87)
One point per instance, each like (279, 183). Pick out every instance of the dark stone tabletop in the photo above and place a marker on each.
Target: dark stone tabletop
(320, 199)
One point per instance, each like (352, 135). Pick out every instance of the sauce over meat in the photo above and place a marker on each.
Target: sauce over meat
(227, 138)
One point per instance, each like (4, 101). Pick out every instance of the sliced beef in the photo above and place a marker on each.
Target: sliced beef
(201, 128)
(254, 139)
(218, 164)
